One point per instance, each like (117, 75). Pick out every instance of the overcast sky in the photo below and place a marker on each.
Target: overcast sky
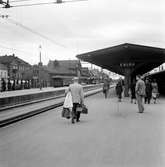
(81, 27)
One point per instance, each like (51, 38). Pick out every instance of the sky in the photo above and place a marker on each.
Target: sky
(79, 27)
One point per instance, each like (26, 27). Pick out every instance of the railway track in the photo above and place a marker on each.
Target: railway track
(22, 111)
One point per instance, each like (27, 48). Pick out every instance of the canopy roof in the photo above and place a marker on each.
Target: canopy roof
(140, 59)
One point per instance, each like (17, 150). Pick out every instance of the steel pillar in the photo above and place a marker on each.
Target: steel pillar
(127, 81)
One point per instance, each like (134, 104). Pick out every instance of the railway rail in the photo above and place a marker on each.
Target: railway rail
(19, 112)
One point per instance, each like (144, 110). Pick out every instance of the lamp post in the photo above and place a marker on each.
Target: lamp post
(39, 67)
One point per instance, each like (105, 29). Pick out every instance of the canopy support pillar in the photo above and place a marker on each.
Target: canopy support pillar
(127, 81)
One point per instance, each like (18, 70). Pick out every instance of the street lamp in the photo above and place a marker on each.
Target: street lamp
(39, 67)
(40, 49)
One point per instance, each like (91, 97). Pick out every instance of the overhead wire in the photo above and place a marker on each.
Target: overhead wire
(53, 1)
(21, 1)
(34, 32)
(33, 4)
(40, 3)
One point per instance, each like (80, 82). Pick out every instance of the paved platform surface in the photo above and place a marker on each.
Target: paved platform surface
(112, 135)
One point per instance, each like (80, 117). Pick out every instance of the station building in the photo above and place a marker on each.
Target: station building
(62, 71)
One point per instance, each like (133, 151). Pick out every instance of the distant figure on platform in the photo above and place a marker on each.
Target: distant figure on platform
(13, 85)
(148, 91)
(140, 93)
(3, 85)
(133, 94)
(154, 90)
(9, 85)
(119, 89)
(77, 98)
(106, 87)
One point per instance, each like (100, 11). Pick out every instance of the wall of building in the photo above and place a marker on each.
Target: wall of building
(3, 75)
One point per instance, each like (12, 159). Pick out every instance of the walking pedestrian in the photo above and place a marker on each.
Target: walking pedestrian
(106, 88)
(133, 95)
(77, 98)
(154, 90)
(148, 91)
(119, 89)
(140, 93)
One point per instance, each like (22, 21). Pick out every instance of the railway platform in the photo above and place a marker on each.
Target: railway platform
(113, 134)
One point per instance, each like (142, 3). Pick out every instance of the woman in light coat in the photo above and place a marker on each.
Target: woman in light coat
(154, 90)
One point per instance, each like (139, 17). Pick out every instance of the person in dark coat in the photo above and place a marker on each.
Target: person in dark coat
(119, 89)
(3, 85)
(133, 94)
(106, 87)
(148, 94)
(9, 85)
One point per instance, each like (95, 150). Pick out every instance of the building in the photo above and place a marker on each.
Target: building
(62, 71)
(16, 67)
(37, 75)
(3, 75)
(85, 75)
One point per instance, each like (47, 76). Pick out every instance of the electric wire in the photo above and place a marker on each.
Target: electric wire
(39, 4)
(34, 32)
(21, 1)
(53, 1)
(33, 4)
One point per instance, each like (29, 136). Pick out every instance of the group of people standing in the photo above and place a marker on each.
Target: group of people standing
(151, 91)
(11, 85)
(147, 90)
(139, 89)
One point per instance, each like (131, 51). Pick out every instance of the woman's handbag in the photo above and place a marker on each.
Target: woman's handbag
(66, 113)
(82, 108)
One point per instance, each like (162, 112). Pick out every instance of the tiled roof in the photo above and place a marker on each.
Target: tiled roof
(9, 59)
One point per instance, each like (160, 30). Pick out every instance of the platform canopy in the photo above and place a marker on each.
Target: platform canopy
(140, 59)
